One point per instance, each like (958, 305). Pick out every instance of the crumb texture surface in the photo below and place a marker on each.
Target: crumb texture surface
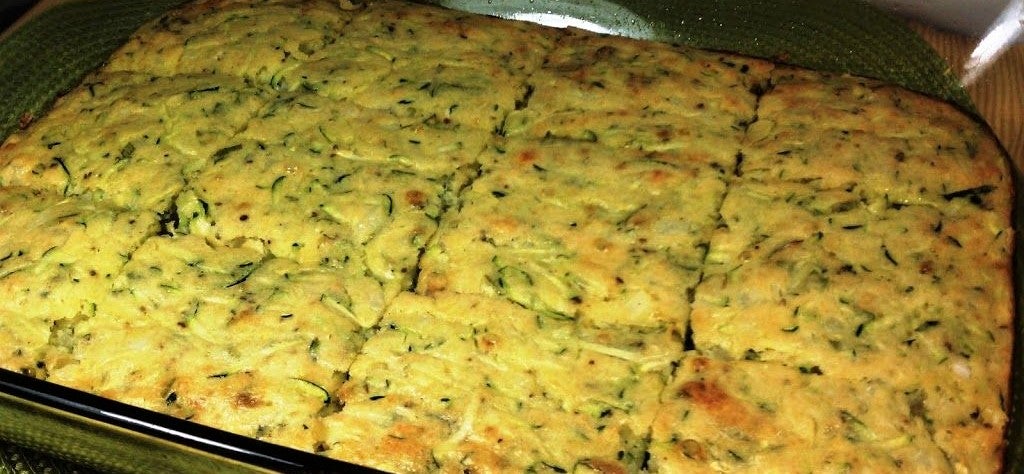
(429, 241)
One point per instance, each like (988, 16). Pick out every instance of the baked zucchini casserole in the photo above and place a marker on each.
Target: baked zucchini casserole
(424, 240)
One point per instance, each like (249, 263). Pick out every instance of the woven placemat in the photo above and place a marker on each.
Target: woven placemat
(18, 460)
(50, 54)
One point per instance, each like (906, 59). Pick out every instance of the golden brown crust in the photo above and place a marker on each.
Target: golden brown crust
(425, 240)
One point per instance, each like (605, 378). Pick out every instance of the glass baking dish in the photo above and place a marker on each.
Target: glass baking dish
(115, 437)
(112, 436)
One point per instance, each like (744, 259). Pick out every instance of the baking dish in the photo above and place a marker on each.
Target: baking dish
(133, 439)
(112, 436)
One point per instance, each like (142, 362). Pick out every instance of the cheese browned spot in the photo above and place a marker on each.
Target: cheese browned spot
(754, 416)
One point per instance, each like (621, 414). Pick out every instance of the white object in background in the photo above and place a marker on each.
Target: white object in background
(970, 17)
(1008, 28)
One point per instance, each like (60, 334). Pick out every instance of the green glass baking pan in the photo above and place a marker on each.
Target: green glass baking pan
(115, 437)
(46, 56)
